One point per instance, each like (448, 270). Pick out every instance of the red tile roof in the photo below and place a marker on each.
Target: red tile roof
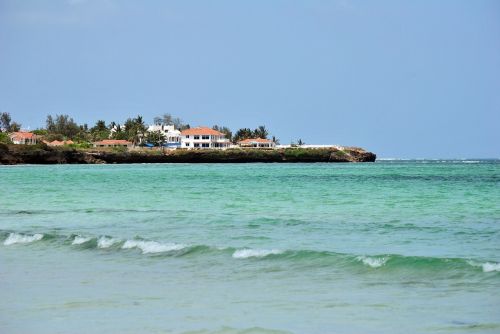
(59, 143)
(201, 130)
(113, 142)
(23, 135)
(255, 140)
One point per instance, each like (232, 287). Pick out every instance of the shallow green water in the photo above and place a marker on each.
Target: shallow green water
(388, 247)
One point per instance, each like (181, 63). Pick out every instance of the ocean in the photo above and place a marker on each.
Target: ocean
(386, 247)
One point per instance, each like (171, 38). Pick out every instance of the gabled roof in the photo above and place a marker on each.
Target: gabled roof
(201, 130)
(255, 140)
(23, 135)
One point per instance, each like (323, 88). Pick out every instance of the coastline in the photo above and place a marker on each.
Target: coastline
(41, 154)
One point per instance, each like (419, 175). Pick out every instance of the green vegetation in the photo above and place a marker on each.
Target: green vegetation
(340, 154)
(305, 154)
(4, 138)
(100, 131)
(225, 130)
(64, 127)
(119, 149)
(246, 133)
(168, 119)
(135, 128)
(80, 145)
(13, 154)
(6, 123)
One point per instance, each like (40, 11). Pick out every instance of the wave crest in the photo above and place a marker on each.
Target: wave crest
(490, 266)
(78, 240)
(105, 242)
(389, 263)
(374, 262)
(16, 238)
(151, 247)
(246, 253)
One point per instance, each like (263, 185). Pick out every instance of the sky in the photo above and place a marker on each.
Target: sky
(403, 79)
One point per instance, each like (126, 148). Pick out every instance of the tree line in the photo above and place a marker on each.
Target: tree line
(63, 127)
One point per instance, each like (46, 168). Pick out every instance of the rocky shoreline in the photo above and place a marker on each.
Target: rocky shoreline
(41, 154)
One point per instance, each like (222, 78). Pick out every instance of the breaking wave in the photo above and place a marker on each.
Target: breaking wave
(106, 242)
(246, 253)
(78, 240)
(486, 266)
(151, 247)
(17, 238)
(302, 258)
(374, 262)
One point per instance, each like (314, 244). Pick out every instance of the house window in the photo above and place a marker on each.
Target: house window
(187, 144)
(187, 136)
(205, 145)
(205, 137)
(196, 137)
(196, 145)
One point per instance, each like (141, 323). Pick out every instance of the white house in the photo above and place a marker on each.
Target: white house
(203, 137)
(257, 143)
(172, 136)
(24, 138)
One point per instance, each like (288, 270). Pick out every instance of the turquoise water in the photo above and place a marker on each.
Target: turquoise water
(389, 247)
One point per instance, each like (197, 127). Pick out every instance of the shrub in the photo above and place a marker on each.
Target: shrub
(119, 149)
(4, 138)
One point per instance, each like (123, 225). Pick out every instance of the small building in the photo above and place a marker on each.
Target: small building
(24, 138)
(256, 143)
(112, 143)
(203, 138)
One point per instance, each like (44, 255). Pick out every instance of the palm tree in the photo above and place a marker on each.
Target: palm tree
(261, 132)
(139, 129)
(225, 130)
(242, 134)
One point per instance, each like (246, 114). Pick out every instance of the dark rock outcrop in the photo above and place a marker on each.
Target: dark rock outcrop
(41, 154)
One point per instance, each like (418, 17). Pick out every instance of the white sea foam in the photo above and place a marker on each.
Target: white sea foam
(486, 266)
(80, 240)
(246, 253)
(152, 246)
(105, 242)
(15, 238)
(374, 262)
(490, 266)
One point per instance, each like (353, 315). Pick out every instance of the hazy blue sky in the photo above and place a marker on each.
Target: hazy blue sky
(401, 78)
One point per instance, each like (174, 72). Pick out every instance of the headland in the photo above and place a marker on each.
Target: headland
(43, 154)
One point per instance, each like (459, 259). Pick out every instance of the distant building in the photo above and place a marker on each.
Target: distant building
(203, 138)
(256, 143)
(24, 138)
(112, 143)
(172, 137)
